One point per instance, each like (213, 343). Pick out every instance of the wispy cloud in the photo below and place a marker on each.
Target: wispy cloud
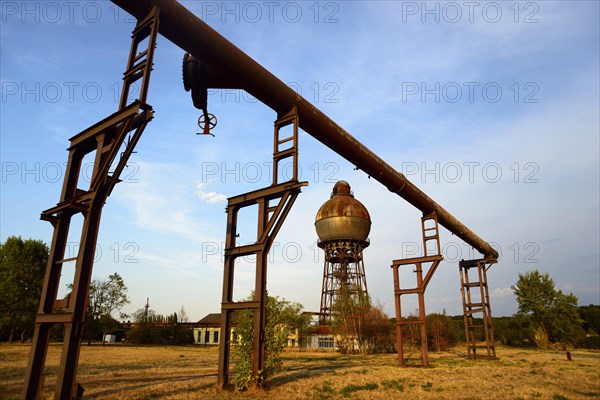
(502, 292)
(208, 196)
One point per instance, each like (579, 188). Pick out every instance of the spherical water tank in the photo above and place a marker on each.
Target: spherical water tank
(342, 217)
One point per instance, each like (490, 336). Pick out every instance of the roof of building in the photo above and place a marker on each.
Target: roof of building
(214, 319)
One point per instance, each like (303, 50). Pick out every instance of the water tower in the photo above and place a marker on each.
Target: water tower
(343, 224)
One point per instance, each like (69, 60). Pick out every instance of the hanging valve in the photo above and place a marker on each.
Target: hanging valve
(194, 79)
(206, 122)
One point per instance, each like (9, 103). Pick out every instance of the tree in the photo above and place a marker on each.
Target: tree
(553, 314)
(360, 326)
(104, 298)
(283, 318)
(349, 311)
(141, 332)
(378, 331)
(153, 328)
(591, 319)
(439, 331)
(22, 270)
(182, 315)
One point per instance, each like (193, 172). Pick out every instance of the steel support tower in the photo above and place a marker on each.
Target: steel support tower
(343, 275)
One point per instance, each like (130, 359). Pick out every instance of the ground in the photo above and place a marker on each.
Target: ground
(128, 372)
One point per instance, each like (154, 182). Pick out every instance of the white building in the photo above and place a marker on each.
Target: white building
(208, 331)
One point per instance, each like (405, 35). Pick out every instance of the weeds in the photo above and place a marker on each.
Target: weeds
(349, 389)
(427, 387)
(393, 384)
(325, 392)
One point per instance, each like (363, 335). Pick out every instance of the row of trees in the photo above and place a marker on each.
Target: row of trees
(545, 316)
(152, 328)
(22, 271)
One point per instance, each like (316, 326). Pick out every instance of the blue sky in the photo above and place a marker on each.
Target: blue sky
(491, 108)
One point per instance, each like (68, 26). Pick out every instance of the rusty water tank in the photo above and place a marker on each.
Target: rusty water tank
(342, 217)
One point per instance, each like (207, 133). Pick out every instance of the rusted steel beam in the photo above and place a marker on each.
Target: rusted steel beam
(190, 33)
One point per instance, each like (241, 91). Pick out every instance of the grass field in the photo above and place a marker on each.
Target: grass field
(127, 372)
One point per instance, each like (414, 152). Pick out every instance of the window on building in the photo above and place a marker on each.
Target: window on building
(216, 337)
(326, 342)
(206, 336)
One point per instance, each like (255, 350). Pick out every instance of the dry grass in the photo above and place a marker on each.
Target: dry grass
(125, 372)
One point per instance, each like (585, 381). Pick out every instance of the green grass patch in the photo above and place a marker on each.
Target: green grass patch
(427, 387)
(349, 389)
(324, 392)
(393, 384)
(559, 397)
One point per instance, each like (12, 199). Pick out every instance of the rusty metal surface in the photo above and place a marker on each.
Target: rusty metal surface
(419, 321)
(343, 271)
(274, 203)
(106, 138)
(476, 299)
(189, 32)
(342, 217)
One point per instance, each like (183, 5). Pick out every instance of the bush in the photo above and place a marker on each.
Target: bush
(439, 332)
(282, 317)
(590, 342)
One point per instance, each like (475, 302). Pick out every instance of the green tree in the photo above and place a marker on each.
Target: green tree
(553, 314)
(141, 332)
(349, 312)
(22, 270)
(283, 318)
(152, 328)
(591, 319)
(105, 297)
(511, 331)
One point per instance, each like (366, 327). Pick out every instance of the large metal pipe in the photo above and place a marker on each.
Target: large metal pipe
(193, 35)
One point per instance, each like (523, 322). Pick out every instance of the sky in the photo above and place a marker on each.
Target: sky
(491, 108)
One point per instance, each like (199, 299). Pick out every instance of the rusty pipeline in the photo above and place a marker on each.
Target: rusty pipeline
(236, 69)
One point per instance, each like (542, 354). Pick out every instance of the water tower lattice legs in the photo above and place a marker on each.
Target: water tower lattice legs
(343, 269)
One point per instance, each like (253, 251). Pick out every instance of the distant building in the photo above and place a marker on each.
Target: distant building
(321, 338)
(208, 330)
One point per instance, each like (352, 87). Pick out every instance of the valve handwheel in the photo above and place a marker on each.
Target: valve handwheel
(207, 122)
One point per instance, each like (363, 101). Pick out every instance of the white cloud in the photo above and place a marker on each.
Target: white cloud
(209, 197)
(502, 292)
